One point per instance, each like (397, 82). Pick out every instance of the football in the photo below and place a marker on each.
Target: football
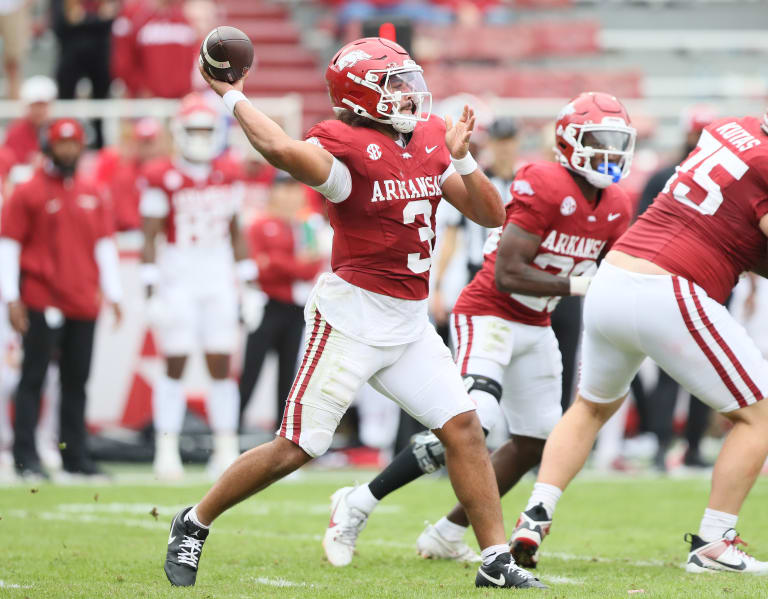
(226, 54)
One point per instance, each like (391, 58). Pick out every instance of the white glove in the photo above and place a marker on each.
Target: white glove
(579, 285)
(252, 302)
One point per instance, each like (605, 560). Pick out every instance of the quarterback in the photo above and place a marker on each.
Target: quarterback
(659, 293)
(562, 218)
(383, 167)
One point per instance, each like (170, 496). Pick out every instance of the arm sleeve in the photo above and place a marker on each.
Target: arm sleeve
(109, 269)
(10, 252)
(447, 173)
(338, 186)
(153, 203)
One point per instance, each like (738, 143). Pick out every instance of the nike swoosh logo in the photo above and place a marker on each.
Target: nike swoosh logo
(171, 537)
(740, 566)
(497, 581)
(430, 150)
(614, 216)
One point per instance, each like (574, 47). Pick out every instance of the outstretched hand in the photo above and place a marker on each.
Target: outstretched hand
(457, 135)
(221, 87)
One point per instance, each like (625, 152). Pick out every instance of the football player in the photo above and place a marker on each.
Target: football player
(192, 200)
(660, 293)
(561, 219)
(383, 166)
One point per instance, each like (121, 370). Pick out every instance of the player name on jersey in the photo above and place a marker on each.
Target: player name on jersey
(573, 245)
(737, 136)
(395, 189)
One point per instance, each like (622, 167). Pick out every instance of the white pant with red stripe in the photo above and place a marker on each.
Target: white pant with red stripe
(419, 376)
(524, 359)
(628, 316)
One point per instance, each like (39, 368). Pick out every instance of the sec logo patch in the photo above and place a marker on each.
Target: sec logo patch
(374, 151)
(568, 206)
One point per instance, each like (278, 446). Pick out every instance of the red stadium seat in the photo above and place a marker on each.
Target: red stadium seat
(249, 9)
(283, 55)
(268, 31)
(276, 81)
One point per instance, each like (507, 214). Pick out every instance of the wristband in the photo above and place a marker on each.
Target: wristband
(231, 98)
(246, 270)
(579, 285)
(466, 165)
(149, 273)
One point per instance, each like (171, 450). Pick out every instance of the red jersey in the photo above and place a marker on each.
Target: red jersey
(547, 202)
(22, 139)
(119, 176)
(273, 247)
(383, 233)
(197, 211)
(704, 225)
(57, 222)
(157, 51)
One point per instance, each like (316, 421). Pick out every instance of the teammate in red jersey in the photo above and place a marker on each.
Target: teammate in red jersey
(562, 218)
(659, 294)
(383, 167)
(193, 200)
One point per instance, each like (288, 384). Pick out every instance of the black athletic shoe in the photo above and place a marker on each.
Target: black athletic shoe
(531, 528)
(32, 471)
(503, 572)
(185, 544)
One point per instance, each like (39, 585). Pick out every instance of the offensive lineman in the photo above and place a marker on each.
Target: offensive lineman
(383, 166)
(194, 200)
(562, 218)
(659, 293)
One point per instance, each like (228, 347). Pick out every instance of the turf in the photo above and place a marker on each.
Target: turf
(611, 537)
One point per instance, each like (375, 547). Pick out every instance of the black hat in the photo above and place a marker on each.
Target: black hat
(503, 128)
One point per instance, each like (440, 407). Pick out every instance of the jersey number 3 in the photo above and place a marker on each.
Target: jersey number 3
(709, 154)
(412, 209)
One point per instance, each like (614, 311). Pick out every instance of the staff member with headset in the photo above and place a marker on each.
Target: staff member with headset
(57, 259)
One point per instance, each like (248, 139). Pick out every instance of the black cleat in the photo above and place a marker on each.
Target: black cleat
(503, 572)
(531, 528)
(185, 544)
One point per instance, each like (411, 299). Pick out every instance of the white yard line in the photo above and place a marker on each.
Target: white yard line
(8, 585)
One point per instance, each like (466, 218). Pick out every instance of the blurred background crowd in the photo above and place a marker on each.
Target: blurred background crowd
(122, 68)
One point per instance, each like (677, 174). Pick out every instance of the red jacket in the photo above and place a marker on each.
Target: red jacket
(273, 248)
(156, 51)
(57, 222)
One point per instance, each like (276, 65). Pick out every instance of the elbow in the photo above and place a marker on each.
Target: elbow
(506, 281)
(277, 153)
(496, 217)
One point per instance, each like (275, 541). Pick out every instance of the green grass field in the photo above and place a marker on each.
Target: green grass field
(610, 537)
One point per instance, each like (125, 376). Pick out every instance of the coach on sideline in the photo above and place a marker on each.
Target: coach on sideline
(57, 257)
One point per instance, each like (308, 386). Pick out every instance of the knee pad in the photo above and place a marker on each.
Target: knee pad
(316, 442)
(478, 382)
(428, 451)
(486, 393)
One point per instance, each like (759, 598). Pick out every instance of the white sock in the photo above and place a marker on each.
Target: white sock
(362, 499)
(450, 531)
(168, 405)
(223, 406)
(547, 495)
(192, 517)
(714, 524)
(490, 553)
(488, 409)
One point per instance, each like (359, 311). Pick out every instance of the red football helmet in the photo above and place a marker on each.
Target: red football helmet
(198, 129)
(595, 124)
(375, 78)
